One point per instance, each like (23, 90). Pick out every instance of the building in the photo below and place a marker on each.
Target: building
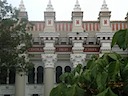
(59, 46)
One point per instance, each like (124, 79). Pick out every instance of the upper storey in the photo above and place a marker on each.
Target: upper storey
(88, 26)
(76, 24)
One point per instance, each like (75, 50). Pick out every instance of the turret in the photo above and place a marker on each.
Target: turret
(77, 17)
(22, 11)
(49, 17)
(104, 18)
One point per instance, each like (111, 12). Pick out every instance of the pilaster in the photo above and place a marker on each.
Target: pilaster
(77, 39)
(49, 39)
(49, 62)
(105, 39)
(49, 58)
(20, 84)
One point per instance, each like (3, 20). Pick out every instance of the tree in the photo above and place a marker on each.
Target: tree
(14, 40)
(121, 39)
(103, 76)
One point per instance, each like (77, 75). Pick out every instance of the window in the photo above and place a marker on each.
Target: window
(35, 95)
(6, 95)
(103, 38)
(67, 69)
(40, 75)
(58, 73)
(12, 73)
(91, 43)
(3, 75)
(31, 76)
(108, 38)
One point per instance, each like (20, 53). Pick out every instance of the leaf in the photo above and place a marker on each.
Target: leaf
(113, 56)
(114, 69)
(101, 80)
(121, 39)
(107, 92)
(87, 75)
(78, 68)
(60, 90)
(75, 91)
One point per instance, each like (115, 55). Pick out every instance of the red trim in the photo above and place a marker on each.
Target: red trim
(90, 27)
(113, 28)
(66, 26)
(70, 27)
(97, 27)
(36, 49)
(64, 49)
(83, 26)
(62, 26)
(116, 26)
(59, 27)
(86, 27)
(91, 49)
(120, 25)
(93, 26)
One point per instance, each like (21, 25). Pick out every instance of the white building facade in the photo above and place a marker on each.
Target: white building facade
(59, 46)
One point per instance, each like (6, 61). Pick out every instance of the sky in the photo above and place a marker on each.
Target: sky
(64, 8)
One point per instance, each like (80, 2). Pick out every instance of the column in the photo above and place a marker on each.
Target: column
(35, 78)
(49, 62)
(20, 84)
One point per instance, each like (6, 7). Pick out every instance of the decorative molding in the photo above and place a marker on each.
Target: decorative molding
(48, 34)
(105, 34)
(78, 34)
(49, 60)
(77, 59)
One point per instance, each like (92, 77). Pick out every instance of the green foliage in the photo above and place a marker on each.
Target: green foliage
(14, 40)
(103, 76)
(121, 39)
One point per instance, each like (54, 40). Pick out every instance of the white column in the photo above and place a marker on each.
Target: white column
(20, 84)
(49, 61)
(35, 78)
(77, 59)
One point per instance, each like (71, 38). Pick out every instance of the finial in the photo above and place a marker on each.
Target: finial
(77, 6)
(104, 6)
(49, 6)
(21, 6)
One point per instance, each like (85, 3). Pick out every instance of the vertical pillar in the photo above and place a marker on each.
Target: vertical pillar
(35, 78)
(77, 39)
(20, 84)
(105, 39)
(49, 61)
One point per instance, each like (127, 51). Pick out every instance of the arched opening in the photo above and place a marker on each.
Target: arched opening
(12, 73)
(40, 75)
(31, 76)
(58, 73)
(35, 95)
(3, 75)
(67, 69)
